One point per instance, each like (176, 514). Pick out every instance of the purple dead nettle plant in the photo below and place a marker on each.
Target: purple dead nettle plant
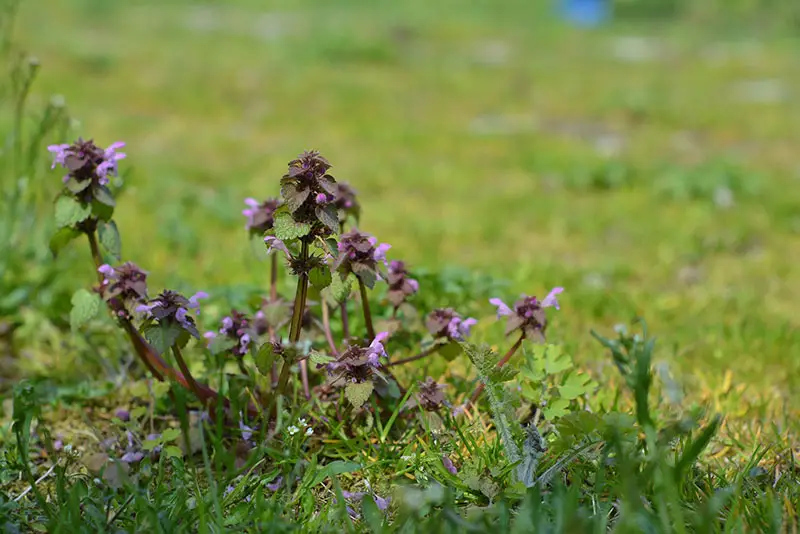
(527, 317)
(528, 314)
(401, 285)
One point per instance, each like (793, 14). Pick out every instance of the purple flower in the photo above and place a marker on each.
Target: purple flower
(502, 307)
(382, 503)
(132, 457)
(346, 202)
(172, 307)
(238, 328)
(401, 285)
(360, 254)
(247, 432)
(86, 164)
(528, 314)
(275, 484)
(446, 323)
(193, 300)
(273, 243)
(260, 215)
(123, 415)
(430, 396)
(306, 189)
(126, 282)
(358, 364)
(448, 464)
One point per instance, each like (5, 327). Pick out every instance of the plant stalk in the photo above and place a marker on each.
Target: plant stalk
(427, 352)
(297, 324)
(362, 288)
(326, 327)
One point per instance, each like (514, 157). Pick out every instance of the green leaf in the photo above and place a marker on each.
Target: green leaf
(221, 344)
(286, 228)
(172, 451)
(162, 336)
(338, 290)
(555, 361)
(76, 186)
(328, 216)
(575, 385)
(101, 211)
(368, 277)
(319, 358)
(450, 351)
(333, 469)
(69, 211)
(109, 239)
(372, 516)
(85, 306)
(358, 393)
(320, 277)
(61, 239)
(694, 448)
(557, 408)
(170, 434)
(502, 374)
(103, 195)
(265, 358)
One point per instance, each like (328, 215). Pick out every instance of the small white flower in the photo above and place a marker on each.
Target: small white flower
(68, 448)
(293, 430)
(302, 422)
(309, 431)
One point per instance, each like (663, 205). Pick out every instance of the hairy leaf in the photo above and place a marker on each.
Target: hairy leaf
(85, 306)
(286, 228)
(61, 239)
(69, 211)
(109, 239)
(358, 393)
(162, 336)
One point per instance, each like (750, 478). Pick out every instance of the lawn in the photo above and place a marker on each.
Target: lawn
(650, 169)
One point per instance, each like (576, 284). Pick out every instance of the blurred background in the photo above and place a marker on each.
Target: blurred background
(641, 153)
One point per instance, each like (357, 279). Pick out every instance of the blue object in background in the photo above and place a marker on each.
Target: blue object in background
(586, 12)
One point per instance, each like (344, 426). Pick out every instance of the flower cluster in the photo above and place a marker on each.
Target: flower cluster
(361, 255)
(346, 202)
(446, 323)
(173, 308)
(309, 192)
(430, 395)
(528, 314)
(88, 166)
(126, 282)
(357, 364)
(401, 285)
(237, 328)
(260, 215)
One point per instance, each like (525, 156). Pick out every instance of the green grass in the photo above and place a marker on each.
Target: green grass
(471, 133)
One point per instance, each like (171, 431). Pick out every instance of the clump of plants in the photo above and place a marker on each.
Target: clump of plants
(294, 394)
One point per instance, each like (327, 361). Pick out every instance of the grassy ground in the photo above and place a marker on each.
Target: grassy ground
(651, 170)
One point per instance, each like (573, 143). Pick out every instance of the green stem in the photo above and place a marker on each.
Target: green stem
(299, 298)
(98, 259)
(362, 288)
(297, 322)
(273, 278)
